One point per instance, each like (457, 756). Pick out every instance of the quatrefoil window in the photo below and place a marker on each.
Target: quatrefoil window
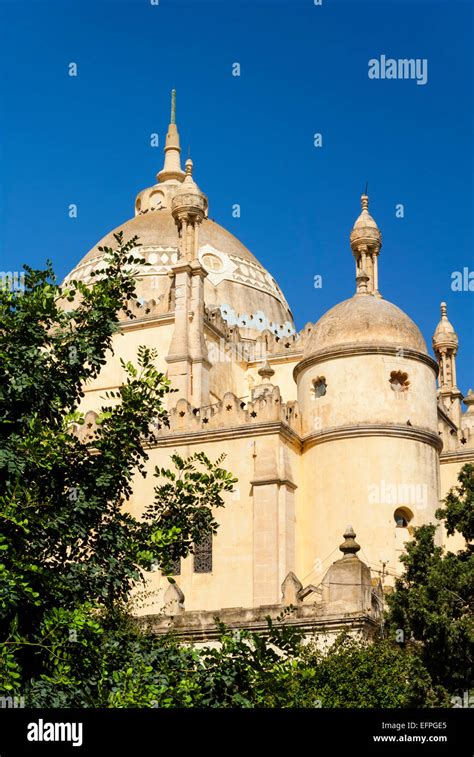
(399, 381)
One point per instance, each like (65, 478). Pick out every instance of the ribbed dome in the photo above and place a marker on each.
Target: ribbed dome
(364, 319)
(236, 283)
(157, 228)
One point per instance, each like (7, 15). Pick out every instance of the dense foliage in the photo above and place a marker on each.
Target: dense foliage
(70, 554)
(433, 601)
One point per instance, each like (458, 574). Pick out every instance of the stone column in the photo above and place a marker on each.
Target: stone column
(200, 363)
(273, 522)
(178, 358)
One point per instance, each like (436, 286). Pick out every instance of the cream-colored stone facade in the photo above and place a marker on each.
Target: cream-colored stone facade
(345, 421)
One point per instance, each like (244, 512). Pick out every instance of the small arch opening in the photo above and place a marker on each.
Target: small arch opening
(402, 517)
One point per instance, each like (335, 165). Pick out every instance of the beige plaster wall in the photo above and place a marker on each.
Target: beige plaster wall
(358, 391)
(232, 582)
(125, 345)
(349, 481)
(449, 472)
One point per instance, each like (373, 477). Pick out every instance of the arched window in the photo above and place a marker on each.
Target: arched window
(402, 517)
(203, 555)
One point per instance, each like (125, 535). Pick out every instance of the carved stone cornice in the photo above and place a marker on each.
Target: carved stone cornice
(232, 432)
(457, 456)
(201, 626)
(352, 350)
(146, 321)
(372, 429)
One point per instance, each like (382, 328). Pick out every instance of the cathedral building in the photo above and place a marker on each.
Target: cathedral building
(349, 421)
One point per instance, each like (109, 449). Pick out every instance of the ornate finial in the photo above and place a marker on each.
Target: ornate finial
(189, 167)
(349, 546)
(266, 371)
(444, 310)
(173, 106)
(172, 167)
(364, 200)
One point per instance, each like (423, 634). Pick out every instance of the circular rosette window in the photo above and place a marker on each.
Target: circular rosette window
(212, 263)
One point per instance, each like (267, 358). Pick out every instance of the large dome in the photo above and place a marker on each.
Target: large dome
(246, 294)
(237, 283)
(366, 320)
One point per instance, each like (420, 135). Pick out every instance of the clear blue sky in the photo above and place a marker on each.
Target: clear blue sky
(304, 69)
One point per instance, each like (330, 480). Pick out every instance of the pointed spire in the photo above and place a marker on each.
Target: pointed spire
(366, 241)
(173, 107)
(189, 208)
(445, 347)
(172, 166)
(189, 197)
(445, 337)
(189, 170)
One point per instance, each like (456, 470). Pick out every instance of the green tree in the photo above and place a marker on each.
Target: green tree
(432, 604)
(357, 672)
(69, 551)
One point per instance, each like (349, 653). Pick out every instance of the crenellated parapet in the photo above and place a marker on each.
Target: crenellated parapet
(144, 310)
(232, 412)
(85, 431)
(272, 344)
(457, 438)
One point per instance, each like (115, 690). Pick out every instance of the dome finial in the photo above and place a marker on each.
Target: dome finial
(349, 546)
(364, 199)
(172, 167)
(445, 336)
(266, 371)
(445, 347)
(189, 205)
(173, 106)
(366, 241)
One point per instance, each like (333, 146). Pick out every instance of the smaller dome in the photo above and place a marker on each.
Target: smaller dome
(365, 320)
(445, 336)
(365, 219)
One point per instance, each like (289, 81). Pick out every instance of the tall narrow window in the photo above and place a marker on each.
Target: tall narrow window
(203, 555)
